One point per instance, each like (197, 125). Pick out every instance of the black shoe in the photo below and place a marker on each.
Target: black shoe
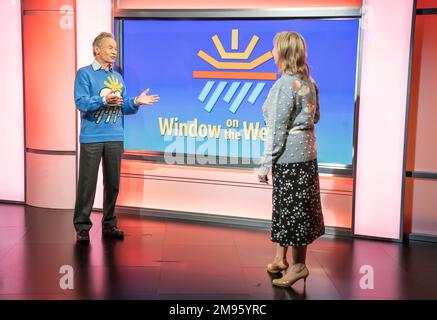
(113, 233)
(83, 237)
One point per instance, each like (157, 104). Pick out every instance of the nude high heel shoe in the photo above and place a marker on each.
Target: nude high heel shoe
(277, 267)
(302, 274)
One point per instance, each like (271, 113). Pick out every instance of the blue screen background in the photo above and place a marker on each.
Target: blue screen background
(162, 54)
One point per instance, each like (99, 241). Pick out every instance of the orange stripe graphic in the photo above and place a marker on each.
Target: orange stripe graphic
(234, 75)
(235, 65)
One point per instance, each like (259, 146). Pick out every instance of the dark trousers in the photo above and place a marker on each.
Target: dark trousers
(90, 156)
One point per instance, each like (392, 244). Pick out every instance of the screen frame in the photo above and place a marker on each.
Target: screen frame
(330, 13)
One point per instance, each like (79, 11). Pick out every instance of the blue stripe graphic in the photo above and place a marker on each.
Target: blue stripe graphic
(231, 91)
(206, 89)
(234, 107)
(218, 91)
(255, 93)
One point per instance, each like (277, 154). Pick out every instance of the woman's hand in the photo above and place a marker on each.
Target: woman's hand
(263, 178)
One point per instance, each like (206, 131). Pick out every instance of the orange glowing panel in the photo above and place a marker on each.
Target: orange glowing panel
(422, 145)
(421, 207)
(46, 4)
(336, 195)
(381, 127)
(49, 68)
(422, 4)
(50, 180)
(234, 193)
(11, 129)
(240, 4)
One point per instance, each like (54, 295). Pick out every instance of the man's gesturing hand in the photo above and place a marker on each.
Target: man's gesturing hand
(143, 98)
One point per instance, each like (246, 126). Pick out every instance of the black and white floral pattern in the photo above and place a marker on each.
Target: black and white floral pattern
(297, 212)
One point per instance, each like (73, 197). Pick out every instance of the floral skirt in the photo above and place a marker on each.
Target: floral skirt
(297, 218)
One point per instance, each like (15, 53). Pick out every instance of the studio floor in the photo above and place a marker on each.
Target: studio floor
(169, 259)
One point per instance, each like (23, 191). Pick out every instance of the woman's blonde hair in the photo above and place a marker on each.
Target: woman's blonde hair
(292, 52)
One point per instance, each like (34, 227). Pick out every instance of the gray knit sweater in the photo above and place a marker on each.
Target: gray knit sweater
(290, 112)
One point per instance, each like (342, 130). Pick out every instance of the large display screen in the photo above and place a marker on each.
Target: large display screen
(213, 76)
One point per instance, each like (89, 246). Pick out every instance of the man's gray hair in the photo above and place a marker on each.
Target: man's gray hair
(98, 40)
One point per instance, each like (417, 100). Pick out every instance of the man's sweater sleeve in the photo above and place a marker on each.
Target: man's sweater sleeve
(129, 106)
(82, 97)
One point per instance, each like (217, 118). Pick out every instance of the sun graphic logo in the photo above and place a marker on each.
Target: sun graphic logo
(235, 73)
(112, 85)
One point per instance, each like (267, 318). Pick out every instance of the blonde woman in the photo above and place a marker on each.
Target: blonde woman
(290, 112)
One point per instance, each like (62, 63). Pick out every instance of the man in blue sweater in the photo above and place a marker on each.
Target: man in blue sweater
(100, 95)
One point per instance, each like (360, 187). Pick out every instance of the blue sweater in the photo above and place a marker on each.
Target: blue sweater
(100, 122)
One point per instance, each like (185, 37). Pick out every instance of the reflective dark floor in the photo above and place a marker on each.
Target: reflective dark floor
(164, 259)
